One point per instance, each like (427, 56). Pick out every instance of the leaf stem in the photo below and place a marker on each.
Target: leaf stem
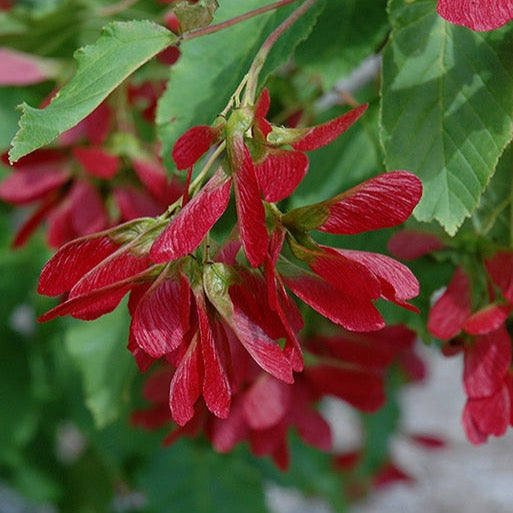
(234, 99)
(233, 21)
(261, 56)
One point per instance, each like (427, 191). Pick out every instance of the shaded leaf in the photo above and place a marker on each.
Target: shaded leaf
(8, 115)
(354, 29)
(286, 46)
(97, 162)
(412, 244)
(192, 477)
(98, 349)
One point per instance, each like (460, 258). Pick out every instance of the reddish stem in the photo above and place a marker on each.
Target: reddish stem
(261, 56)
(233, 21)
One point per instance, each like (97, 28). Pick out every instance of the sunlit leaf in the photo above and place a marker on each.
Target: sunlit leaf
(447, 108)
(120, 50)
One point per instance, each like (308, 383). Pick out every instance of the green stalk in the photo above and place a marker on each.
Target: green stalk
(261, 56)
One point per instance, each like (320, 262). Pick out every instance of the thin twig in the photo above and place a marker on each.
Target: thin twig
(261, 56)
(233, 21)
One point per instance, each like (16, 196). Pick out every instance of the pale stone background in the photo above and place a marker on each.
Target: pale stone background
(461, 478)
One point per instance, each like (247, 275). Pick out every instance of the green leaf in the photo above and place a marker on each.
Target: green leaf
(99, 351)
(346, 33)
(20, 344)
(35, 484)
(88, 484)
(286, 45)
(447, 107)
(19, 412)
(191, 477)
(120, 50)
(208, 72)
(493, 217)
